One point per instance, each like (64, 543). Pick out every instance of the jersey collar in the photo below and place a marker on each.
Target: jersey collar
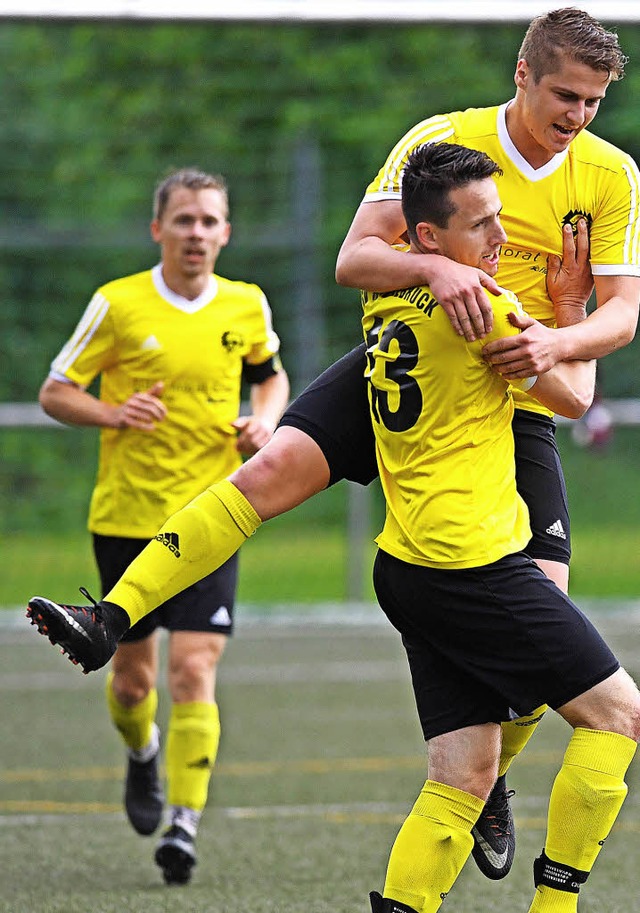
(183, 304)
(532, 174)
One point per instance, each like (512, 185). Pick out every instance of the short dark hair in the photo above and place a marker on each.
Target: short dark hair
(432, 171)
(192, 179)
(572, 33)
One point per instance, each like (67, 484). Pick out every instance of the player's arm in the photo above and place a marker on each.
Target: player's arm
(568, 388)
(268, 401)
(578, 336)
(367, 260)
(72, 404)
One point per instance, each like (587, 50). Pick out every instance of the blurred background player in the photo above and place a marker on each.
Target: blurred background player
(171, 346)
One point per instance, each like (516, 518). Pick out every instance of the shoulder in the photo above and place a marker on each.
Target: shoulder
(473, 121)
(239, 289)
(246, 297)
(502, 305)
(126, 286)
(596, 151)
(443, 127)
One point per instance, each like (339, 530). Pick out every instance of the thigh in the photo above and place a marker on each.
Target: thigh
(287, 471)
(334, 412)
(541, 484)
(612, 705)
(467, 758)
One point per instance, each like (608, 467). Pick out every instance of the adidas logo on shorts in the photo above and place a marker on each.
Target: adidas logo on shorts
(556, 529)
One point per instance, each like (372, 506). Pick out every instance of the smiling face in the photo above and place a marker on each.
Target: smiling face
(191, 232)
(546, 116)
(473, 234)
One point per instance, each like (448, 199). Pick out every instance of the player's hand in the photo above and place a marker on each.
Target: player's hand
(569, 280)
(143, 411)
(460, 290)
(534, 350)
(253, 433)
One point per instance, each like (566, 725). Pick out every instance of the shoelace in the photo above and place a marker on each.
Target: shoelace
(97, 611)
(500, 812)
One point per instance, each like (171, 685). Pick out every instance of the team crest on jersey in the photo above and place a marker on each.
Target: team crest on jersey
(232, 341)
(572, 218)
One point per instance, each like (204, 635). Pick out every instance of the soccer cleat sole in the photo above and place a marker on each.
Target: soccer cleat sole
(61, 629)
(176, 864)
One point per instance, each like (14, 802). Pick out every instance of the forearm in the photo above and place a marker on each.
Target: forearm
(372, 264)
(72, 405)
(269, 399)
(568, 388)
(609, 328)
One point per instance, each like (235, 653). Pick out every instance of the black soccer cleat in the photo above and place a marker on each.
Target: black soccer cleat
(494, 836)
(89, 635)
(143, 796)
(176, 855)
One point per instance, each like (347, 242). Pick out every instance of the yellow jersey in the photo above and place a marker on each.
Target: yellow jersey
(591, 178)
(135, 332)
(442, 424)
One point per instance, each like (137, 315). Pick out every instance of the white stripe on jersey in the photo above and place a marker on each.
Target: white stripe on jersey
(632, 236)
(273, 343)
(432, 130)
(89, 322)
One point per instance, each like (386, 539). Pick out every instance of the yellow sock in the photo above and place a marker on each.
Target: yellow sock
(432, 846)
(515, 735)
(192, 746)
(133, 723)
(194, 542)
(586, 798)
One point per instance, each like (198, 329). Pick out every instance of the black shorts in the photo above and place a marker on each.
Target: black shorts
(334, 412)
(540, 481)
(483, 640)
(205, 606)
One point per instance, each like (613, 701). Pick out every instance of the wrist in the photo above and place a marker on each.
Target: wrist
(569, 313)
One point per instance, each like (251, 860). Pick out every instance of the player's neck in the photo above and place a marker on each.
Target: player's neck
(189, 287)
(530, 150)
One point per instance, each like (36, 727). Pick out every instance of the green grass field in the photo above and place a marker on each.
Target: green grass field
(321, 757)
(303, 557)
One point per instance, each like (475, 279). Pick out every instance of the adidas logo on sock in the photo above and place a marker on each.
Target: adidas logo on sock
(556, 529)
(171, 541)
(200, 764)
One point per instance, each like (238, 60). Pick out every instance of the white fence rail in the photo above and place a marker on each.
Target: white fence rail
(30, 415)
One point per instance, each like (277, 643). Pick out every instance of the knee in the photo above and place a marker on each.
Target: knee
(192, 676)
(131, 686)
(612, 706)
(290, 468)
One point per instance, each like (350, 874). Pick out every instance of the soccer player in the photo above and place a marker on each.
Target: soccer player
(483, 627)
(565, 175)
(170, 346)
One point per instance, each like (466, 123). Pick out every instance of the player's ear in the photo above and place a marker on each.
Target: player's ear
(426, 234)
(522, 74)
(154, 229)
